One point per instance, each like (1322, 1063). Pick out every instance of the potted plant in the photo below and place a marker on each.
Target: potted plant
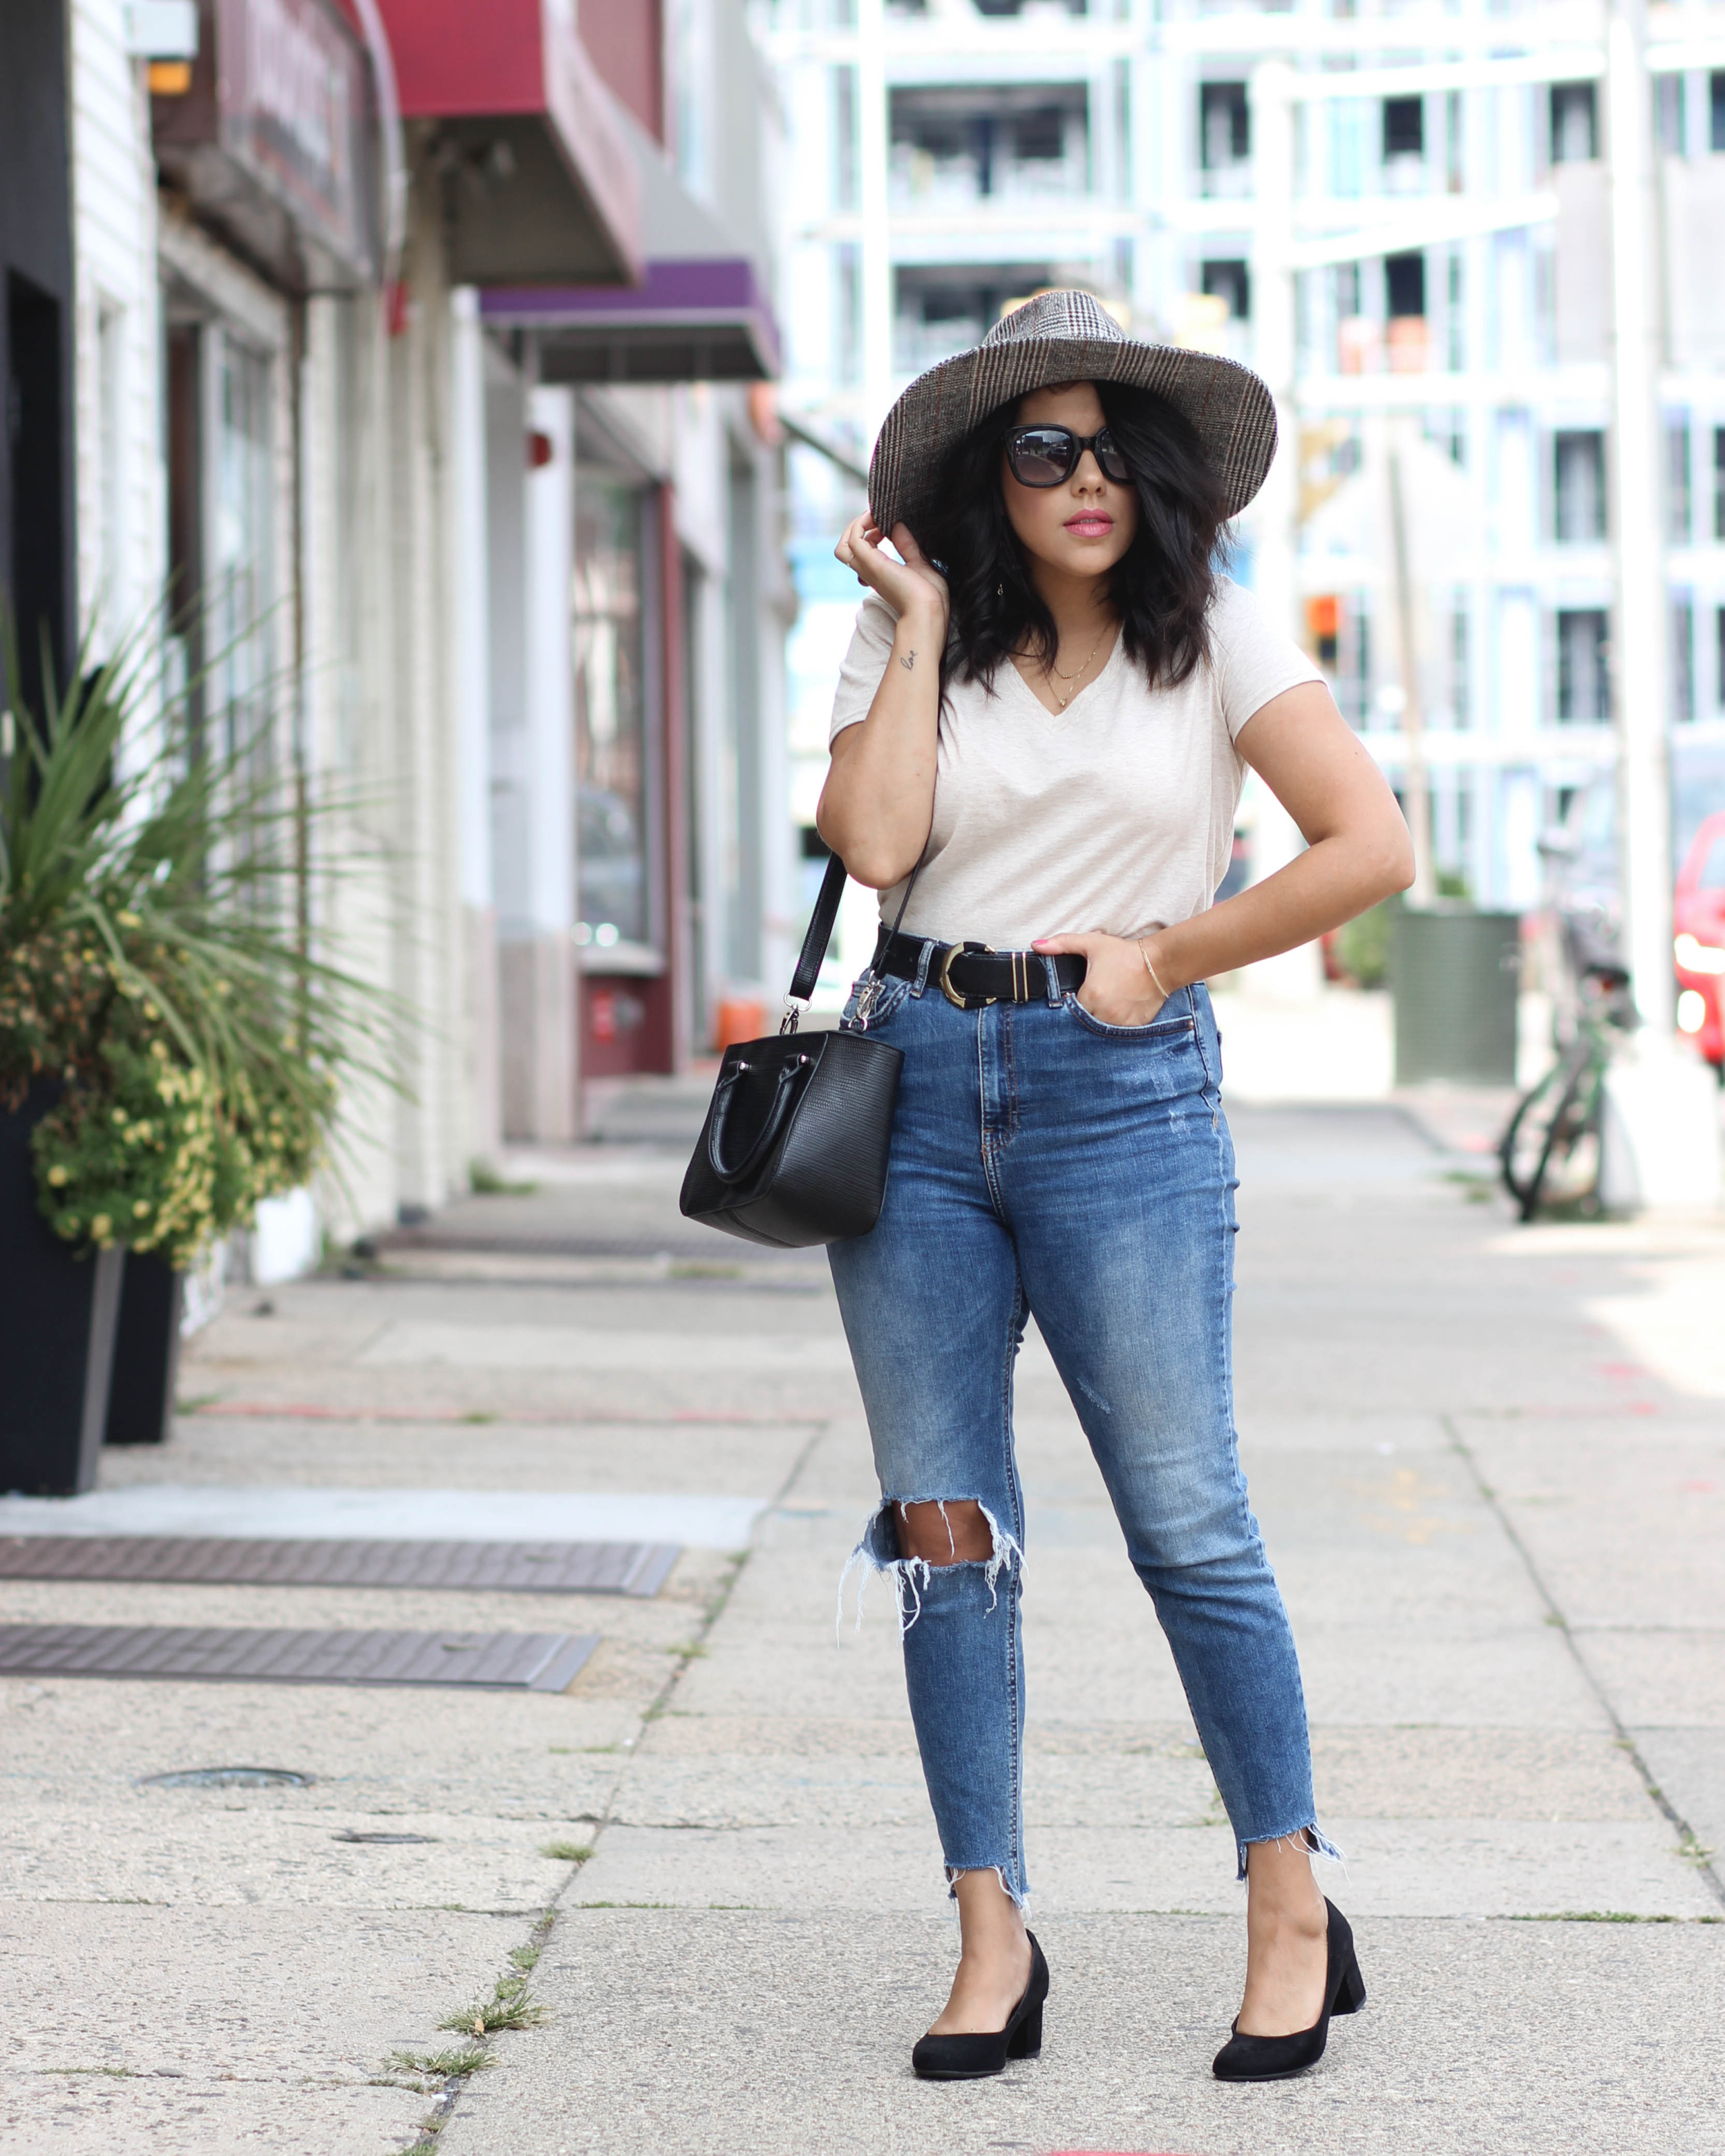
(171, 1044)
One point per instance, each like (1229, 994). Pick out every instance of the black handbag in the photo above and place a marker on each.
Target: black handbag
(795, 1145)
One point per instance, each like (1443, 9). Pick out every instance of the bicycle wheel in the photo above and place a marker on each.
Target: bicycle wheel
(1550, 1152)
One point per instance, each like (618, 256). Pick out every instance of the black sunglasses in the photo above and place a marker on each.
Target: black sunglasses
(1045, 456)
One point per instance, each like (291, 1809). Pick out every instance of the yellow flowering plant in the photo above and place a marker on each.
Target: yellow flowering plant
(162, 1004)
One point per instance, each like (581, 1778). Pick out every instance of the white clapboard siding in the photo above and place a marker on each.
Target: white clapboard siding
(121, 472)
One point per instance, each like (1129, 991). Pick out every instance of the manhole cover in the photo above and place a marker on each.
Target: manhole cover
(229, 1777)
(347, 1833)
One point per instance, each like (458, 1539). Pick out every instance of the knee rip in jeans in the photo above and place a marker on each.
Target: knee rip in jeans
(878, 1552)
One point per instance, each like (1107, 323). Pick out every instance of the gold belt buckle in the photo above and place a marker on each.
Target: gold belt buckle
(951, 993)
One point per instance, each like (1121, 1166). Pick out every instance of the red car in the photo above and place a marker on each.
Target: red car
(1698, 916)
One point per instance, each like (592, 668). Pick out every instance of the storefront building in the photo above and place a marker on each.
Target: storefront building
(36, 562)
(679, 601)
(416, 366)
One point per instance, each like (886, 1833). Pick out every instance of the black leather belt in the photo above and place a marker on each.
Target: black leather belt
(971, 975)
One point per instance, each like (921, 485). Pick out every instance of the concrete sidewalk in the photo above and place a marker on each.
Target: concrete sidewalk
(1488, 1462)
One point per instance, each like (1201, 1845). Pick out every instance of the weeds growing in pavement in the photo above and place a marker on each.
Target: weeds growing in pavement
(1609, 1916)
(508, 2007)
(567, 1852)
(442, 2066)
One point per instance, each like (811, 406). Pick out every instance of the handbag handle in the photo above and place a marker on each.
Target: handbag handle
(725, 1093)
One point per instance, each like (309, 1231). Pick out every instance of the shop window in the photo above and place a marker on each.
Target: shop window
(610, 715)
(1583, 688)
(1579, 487)
(1716, 105)
(1574, 123)
(238, 548)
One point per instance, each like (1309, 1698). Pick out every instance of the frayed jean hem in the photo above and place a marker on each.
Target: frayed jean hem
(1315, 1843)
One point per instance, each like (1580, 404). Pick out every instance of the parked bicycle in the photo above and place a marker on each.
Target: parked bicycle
(1550, 1152)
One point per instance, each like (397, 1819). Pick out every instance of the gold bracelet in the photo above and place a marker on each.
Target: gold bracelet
(1150, 970)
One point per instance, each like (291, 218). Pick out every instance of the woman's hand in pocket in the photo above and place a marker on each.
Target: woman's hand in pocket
(1118, 986)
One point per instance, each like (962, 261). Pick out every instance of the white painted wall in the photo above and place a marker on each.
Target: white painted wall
(121, 476)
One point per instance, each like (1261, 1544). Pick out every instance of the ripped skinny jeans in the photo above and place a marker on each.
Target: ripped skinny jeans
(1044, 1162)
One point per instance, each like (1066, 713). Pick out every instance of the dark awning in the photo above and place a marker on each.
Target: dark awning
(538, 182)
(700, 314)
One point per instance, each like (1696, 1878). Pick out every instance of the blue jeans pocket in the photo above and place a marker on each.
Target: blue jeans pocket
(1162, 1032)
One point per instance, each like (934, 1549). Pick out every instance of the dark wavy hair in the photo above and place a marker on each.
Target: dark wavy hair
(1161, 585)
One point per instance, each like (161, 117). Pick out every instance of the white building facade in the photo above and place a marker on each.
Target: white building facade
(1421, 267)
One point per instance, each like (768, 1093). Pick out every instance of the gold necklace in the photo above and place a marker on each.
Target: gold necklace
(1052, 673)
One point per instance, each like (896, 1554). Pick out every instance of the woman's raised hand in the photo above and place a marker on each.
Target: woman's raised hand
(910, 586)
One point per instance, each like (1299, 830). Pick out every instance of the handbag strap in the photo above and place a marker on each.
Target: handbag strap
(820, 929)
(821, 923)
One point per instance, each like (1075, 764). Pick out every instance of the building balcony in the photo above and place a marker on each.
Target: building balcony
(922, 181)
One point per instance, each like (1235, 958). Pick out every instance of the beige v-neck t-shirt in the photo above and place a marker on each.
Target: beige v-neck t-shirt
(1117, 814)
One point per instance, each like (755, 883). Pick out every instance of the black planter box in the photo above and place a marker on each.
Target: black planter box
(146, 1352)
(58, 1311)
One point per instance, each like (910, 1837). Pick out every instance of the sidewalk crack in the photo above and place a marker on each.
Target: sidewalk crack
(1688, 1842)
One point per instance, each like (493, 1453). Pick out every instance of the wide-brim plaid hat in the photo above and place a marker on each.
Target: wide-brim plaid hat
(1066, 336)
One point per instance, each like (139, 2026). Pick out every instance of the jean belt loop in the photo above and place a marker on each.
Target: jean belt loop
(920, 983)
(1056, 995)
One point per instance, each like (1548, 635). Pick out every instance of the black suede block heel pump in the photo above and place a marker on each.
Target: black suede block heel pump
(1275, 2058)
(969, 2057)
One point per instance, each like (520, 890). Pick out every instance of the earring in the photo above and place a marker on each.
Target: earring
(1000, 591)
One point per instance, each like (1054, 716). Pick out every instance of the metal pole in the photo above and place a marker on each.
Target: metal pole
(1295, 975)
(1416, 786)
(1275, 511)
(1639, 653)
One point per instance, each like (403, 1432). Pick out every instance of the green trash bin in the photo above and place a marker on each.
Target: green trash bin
(1454, 972)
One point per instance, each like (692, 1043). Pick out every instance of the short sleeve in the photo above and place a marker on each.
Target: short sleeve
(1252, 661)
(864, 663)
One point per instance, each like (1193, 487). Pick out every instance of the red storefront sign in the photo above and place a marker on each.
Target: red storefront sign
(275, 137)
(293, 98)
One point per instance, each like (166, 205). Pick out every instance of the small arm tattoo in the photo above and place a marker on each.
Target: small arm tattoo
(908, 661)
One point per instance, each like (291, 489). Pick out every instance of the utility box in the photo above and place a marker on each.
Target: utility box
(1454, 972)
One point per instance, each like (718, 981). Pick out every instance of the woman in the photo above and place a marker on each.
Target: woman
(1048, 703)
